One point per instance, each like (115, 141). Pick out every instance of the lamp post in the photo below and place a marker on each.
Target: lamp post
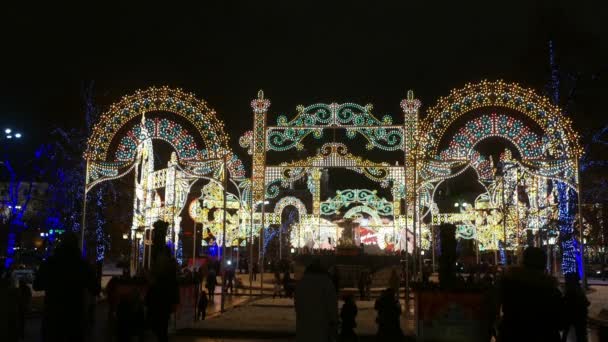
(261, 248)
(9, 135)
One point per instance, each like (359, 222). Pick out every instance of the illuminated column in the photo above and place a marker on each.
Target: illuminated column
(170, 198)
(410, 107)
(260, 108)
(316, 199)
(396, 214)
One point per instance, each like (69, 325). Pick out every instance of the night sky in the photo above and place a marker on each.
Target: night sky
(299, 52)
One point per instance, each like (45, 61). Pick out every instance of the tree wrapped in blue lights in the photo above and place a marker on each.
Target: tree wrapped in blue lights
(15, 202)
(66, 189)
(565, 210)
(566, 197)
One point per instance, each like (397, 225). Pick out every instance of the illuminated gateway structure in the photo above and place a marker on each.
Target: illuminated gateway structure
(529, 186)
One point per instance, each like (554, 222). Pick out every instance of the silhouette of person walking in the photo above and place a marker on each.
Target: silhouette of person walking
(389, 311)
(531, 301)
(362, 284)
(255, 270)
(25, 304)
(210, 284)
(575, 309)
(163, 294)
(67, 281)
(348, 316)
(316, 306)
(202, 305)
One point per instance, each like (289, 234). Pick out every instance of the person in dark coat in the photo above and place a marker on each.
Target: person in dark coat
(202, 305)
(362, 284)
(255, 270)
(287, 284)
(229, 277)
(25, 304)
(531, 302)
(211, 283)
(163, 294)
(575, 309)
(316, 306)
(348, 315)
(389, 311)
(67, 280)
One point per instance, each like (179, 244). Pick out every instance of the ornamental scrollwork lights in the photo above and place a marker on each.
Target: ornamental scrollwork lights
(334, 155)
(345, 198)
(313, 119)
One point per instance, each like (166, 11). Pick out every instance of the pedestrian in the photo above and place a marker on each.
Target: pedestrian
(348, 315)
(368, 286)
(389, 311)
(130, 318)
(163, 294)
(575, 309)
(276, 285)
(202, 305)
(211, 283)
(316, 306)
(25, 304)
(394, 282)
(9, 309)
(228, 280)
(67, 280)
(335, 278)
(361, 284)
(531, 302)
(287, 284)
(255, 270)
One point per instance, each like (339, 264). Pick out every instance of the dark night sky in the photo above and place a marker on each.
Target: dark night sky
(299, 52)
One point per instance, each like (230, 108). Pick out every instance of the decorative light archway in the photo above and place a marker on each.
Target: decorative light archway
(293, 201)
(556, 127)
(550, 155)
(119, 144)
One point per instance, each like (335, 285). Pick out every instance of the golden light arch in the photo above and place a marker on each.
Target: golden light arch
(556, 127)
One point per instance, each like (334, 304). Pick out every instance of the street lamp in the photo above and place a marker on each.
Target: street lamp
(9, 134)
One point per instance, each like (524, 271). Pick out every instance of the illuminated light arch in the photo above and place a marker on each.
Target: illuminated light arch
(162, 129)
(376, 220)
(461, 145)
(293, 201)
(208, 129)
(555, 125)
(153, 99)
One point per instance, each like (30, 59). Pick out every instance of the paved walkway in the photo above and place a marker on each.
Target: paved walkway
(268, 317)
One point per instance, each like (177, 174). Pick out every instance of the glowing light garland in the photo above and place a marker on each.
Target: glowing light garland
(356, 119)
(557, 127)
(162, 99)
(528, 144)
(345, 198)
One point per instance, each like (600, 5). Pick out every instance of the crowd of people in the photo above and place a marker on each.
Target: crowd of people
(523, 303)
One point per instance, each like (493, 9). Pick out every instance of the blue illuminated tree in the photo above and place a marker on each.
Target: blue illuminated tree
(68, 187)
(20, 175)
(592, 167)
